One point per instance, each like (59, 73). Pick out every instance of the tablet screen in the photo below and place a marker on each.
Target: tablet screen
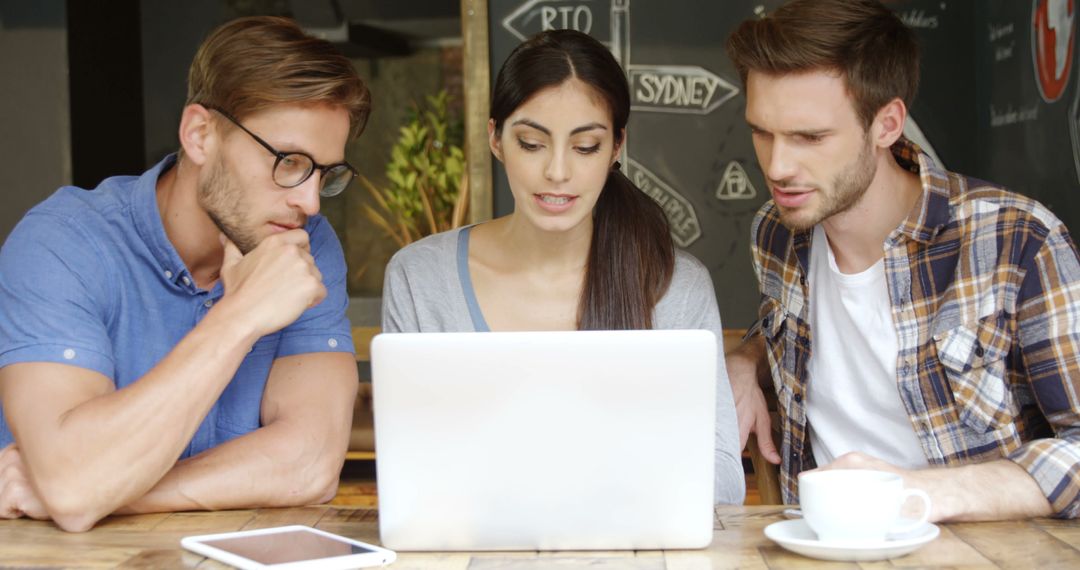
(288, 546)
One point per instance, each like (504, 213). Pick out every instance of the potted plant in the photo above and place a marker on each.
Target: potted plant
(428, 185)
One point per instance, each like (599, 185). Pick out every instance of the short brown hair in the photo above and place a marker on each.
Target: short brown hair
(861, 39)
(249, 64)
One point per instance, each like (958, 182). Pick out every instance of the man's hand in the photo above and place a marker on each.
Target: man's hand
(857, 460)
(916, 479)
(750, 408)
(17, 496)
(274, 283)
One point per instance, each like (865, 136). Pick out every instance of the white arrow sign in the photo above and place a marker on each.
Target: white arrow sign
(677, 89)
(536, 16)
(685, 228)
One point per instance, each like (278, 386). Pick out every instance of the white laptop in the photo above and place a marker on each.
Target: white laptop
(545, 440)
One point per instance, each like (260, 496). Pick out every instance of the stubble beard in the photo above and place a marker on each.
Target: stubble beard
(849, 186)
(223, 203)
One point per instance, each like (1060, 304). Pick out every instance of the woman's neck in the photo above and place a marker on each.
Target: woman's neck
(525, 278)
(521, 246)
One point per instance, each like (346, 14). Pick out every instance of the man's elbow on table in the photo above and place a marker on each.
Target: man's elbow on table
(73, 510)
(327, 492)
(71, 503)
(77, 523)
(313, 483)
(324, 484)
(310, 489)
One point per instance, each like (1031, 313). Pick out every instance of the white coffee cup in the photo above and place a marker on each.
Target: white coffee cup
(856, 505)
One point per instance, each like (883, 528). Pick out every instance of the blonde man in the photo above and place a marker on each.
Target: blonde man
(178, 340)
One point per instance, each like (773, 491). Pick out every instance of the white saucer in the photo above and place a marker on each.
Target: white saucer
(796, 536)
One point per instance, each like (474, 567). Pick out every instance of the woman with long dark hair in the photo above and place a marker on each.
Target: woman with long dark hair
(583, 249)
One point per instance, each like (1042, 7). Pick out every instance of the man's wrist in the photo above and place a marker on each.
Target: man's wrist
(746, 362)
(968, 492)
(230, 325)
(944, 505)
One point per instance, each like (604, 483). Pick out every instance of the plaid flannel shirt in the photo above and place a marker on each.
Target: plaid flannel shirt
(985, 293)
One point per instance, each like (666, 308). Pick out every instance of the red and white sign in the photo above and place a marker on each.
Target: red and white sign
(1053, 33)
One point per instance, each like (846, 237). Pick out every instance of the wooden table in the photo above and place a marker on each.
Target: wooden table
(153, 541)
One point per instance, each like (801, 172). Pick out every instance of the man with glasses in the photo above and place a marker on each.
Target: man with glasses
(178, 340)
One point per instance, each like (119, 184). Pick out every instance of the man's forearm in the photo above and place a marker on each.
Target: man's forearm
(110, 449)
(998, 490)
(274, 466)
(749, 375)
(748, 361)
(294, 459)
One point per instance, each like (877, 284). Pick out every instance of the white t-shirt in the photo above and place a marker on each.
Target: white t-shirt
(852, 400)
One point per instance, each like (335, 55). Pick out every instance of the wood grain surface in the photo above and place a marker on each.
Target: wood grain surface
(153, 541)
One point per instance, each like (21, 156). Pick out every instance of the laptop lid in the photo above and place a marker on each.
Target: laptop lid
(545, 440)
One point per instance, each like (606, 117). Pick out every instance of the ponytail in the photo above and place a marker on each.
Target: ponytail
(631, 259)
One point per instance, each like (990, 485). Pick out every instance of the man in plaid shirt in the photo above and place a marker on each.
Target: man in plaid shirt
(914, 320)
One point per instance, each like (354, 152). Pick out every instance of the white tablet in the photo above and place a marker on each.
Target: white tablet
(294, 547)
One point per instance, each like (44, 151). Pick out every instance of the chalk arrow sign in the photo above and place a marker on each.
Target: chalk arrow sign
(681, 216)
(677, 89)
(535, 16)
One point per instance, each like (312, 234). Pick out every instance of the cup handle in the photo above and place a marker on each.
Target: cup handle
(922, 519)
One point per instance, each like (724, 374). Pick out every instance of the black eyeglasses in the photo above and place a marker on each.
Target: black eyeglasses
(292, 169)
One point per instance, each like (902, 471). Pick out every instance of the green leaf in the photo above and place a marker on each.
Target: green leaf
(427, 157)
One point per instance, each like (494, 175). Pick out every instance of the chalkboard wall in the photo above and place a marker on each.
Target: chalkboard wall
(1028, 119)
(980, 109)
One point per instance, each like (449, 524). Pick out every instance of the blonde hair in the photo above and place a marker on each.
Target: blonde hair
(249, 64)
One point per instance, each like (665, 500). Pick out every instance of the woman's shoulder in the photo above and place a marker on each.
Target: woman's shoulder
(690, 299)
(689, 270)
(428, 253)
(691, 282)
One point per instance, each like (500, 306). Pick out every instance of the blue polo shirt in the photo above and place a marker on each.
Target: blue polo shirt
(88, 278)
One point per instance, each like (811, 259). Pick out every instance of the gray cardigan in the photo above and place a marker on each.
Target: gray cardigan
(427, 290)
